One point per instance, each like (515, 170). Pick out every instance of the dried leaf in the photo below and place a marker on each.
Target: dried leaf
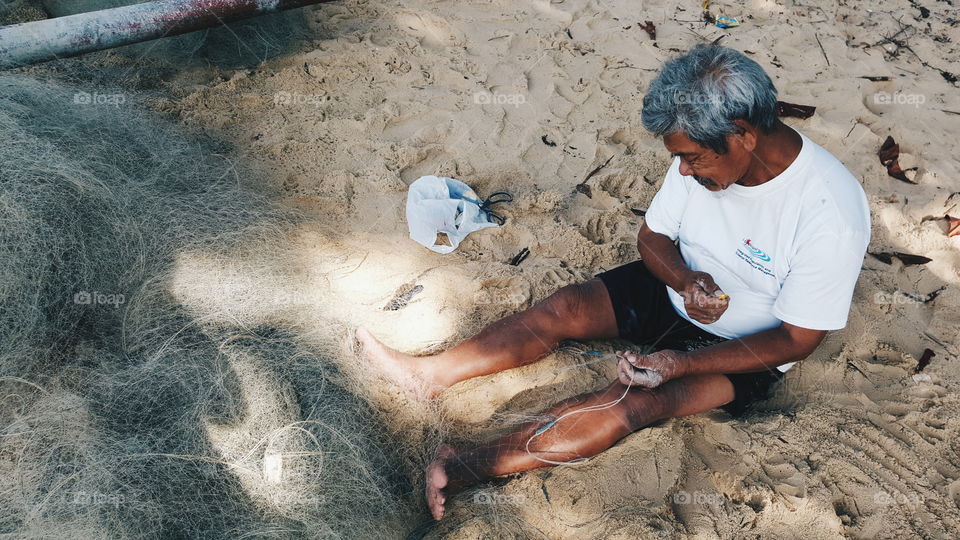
(400, 301)
(793, 110)
(924, 360)
(953, 226)
(933, 295)
(906, 258)
(582, 187)
(650, 28)
(519, 257)
(922, 298)
(595, 171)
(889, 154)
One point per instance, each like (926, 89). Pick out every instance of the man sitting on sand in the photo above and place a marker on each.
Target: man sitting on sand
(755, 240)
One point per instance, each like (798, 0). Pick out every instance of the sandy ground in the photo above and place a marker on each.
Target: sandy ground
(530, 97)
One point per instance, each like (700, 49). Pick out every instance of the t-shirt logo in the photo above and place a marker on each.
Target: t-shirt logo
(756, 252)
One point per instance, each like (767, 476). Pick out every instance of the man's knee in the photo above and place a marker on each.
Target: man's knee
(567, 303)
(646, 406)
(572, 303)
(581, 311)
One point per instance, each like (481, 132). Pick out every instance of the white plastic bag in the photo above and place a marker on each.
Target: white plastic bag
(443, 205)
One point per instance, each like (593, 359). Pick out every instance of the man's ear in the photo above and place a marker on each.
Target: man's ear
(746, 134)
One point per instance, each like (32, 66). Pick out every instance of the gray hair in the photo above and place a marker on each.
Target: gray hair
(701, 93)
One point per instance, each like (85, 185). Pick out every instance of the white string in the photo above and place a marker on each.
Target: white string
(546, 427)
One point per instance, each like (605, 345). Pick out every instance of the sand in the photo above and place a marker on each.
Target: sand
(530, 97)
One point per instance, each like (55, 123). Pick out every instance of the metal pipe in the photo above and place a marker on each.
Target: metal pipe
(61, 37)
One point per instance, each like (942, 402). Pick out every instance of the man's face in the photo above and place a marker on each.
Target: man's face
(713, 171)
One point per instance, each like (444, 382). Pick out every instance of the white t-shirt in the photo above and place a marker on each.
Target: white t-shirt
(789, 249)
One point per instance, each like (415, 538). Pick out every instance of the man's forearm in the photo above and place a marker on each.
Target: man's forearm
(758, 352)
(661, 256)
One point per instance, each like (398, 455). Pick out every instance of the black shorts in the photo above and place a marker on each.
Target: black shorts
(646, 317)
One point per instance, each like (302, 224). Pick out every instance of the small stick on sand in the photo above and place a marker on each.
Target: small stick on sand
(821, 48)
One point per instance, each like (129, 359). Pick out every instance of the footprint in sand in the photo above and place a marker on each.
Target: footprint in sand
(932, 431)
(600, 229)
(513, 292)
(605, 228)
(903, 474)
(423, 127)
(623, 186)
(560, 277)
(426, 161)
(432, 31)
(785, 478)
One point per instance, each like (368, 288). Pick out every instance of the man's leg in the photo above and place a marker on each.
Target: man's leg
(582, 311)
(579, 435)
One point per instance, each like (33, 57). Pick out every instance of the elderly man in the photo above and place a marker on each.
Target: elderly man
(755, 240)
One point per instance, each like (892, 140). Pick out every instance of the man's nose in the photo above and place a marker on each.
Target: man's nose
(685, 169)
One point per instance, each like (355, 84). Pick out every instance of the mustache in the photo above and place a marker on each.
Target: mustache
(705, 182)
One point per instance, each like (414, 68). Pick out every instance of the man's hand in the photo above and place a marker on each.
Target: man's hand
(651, 370)
(702, 298)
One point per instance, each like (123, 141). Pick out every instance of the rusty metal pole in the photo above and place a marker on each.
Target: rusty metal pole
(40, 41)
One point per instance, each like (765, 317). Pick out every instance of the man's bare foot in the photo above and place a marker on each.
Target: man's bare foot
(400, 369)
(437, 481)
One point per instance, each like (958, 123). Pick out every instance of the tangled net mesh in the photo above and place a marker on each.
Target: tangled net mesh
(123, 413)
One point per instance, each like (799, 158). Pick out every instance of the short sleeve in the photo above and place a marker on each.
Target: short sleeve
(818, 289)
(666, 210)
